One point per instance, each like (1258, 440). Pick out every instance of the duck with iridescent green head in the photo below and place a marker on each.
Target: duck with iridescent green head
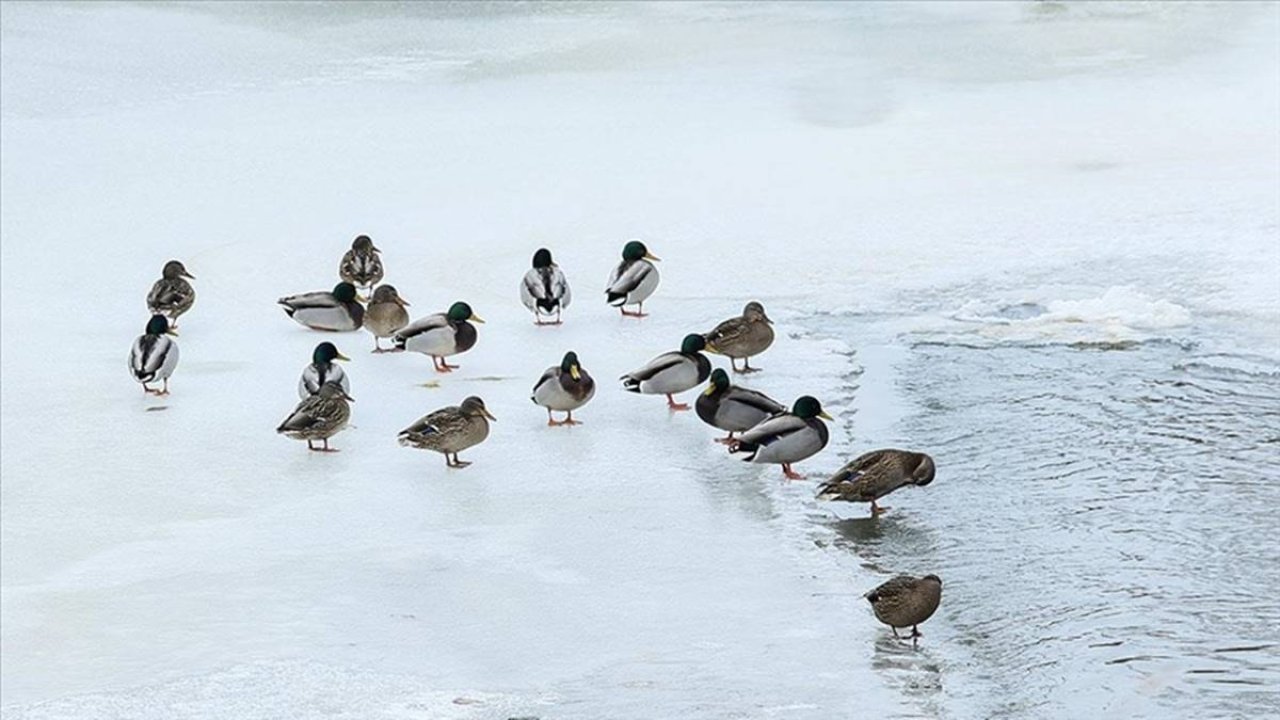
(440, 335)
(564, 388)
(672, 372)
(336, 310)
(786, 438)
(154, 355)
(733, 408)
(633, 280)
(322, 369)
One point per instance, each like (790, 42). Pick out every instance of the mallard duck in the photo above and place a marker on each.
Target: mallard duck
(361, 265)
(742, 337)
(633, 280)
(450, 430)
(440, 335)
(672, 372)
(319, 417)
(905, 601)
(732, 408)
(385, 315)
(565, 388)
(336, 311)
(154, 355)
(172, 295)
(873, 475)
(786, 438)
(545, 291)
(321, 370)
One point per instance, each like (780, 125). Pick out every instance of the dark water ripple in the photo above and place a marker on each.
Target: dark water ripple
(1107, 525)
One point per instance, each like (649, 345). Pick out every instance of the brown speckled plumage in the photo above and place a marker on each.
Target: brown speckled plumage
(906, 601)
(873, 475)
(450, 430)
(742, 337)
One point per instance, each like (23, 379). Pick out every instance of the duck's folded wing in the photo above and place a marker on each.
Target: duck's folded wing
(319, 299)
(892, 588)
(305, 416)
(727, 331)
(165, 293)
(664, 361)
(628, 276)
(423, 325)
(548, 376)
(439, 422)
(756, 400)
(773, 430)
(866, 463)
(560, 287)
(149, 355)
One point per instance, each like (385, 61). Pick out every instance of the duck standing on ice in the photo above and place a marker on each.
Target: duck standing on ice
(386, 315)
(633, 280)
(336, 311)
(672, 372)
(440, 335)
(545, 290)
(742, 337)
(564, 388)
(172, 295)
(154, 355)
(361, 265)
(786, 438)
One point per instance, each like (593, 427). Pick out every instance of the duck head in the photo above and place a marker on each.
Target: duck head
(326, 353)
(754, 312)
(693, 343)
(388, 294)
(363, 245)
(474, 407)
(542, 259)
(923, 474)
(344, 292)
(570, 365)
(719, 382)
(807, 406)
(460, 311)
(635, 250)
(159, 325)
(174, 269)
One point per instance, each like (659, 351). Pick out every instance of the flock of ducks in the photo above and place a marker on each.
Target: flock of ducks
(760, 429)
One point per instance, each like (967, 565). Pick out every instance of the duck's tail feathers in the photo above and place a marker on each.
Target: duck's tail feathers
(630, 384)
(616, 298)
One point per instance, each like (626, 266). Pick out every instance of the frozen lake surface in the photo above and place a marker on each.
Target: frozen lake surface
(1038, 241)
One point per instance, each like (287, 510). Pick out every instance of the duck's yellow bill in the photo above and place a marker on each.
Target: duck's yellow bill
(476, 318)
(651, 256)
(825, 416)
(340, 356)
(573, 371)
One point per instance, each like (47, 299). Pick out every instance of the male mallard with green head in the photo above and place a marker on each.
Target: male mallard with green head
(386, 314)
(322, 369)
(361, 265)
(906, 601)
(733, 408)
(336, 310)
(450, 430)
(319, 417)
(172, 295)
(672, 372)
(742, 337)
(564, 388)
(871, 476)
(786, 438)
(440, 335)
(545, 290)
(154, 355)
(633, 280)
